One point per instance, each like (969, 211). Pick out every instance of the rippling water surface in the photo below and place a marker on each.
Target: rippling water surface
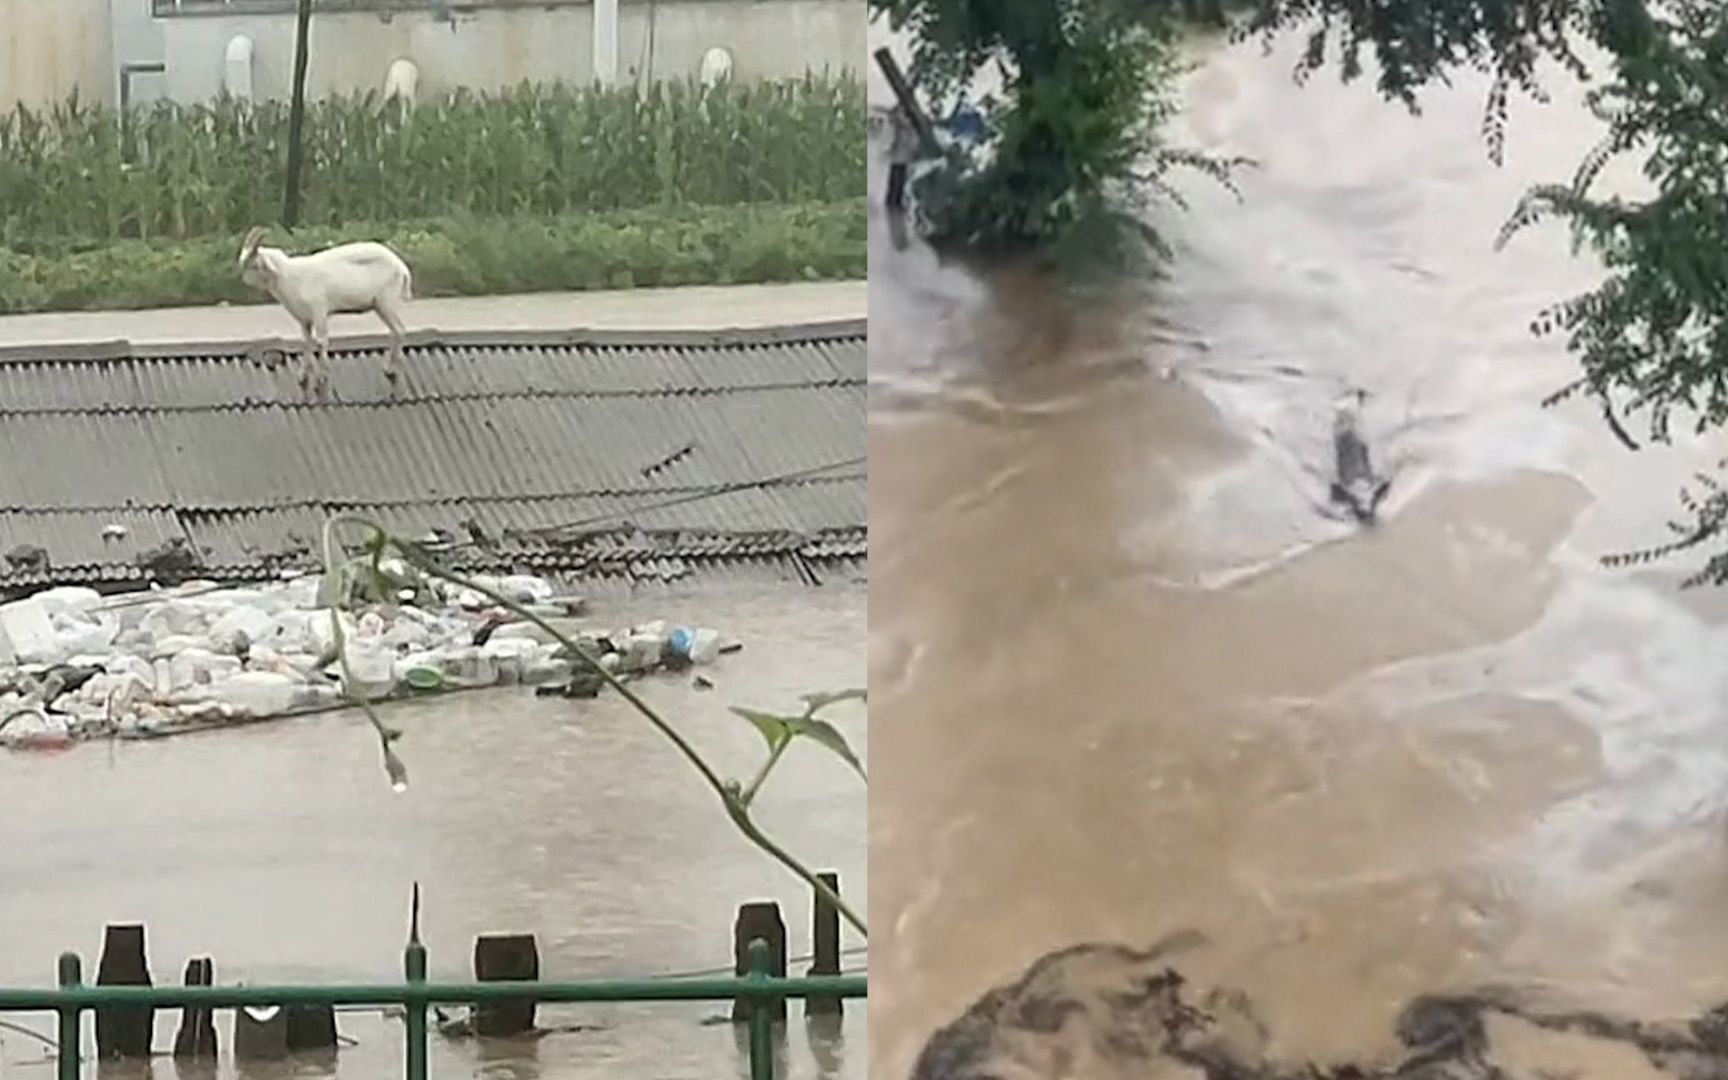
(1131, 681)
(280, 851)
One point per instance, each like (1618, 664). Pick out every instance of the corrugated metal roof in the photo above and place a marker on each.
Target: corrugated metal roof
(646, 445)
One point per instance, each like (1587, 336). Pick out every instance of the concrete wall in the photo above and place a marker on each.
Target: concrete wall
(489, 48)
(50, 49)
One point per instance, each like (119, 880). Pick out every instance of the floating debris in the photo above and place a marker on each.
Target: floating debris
(77, 665)
(28, 559)
(171, 562)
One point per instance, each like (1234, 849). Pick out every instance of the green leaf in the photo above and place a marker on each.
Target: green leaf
(829, 736)
(814, 703)
(775, 729)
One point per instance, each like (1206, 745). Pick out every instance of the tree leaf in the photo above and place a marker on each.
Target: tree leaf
(814, 703)
(775, 729)
(829, 736)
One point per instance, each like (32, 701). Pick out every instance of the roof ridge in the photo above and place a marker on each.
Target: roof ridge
(113, 349)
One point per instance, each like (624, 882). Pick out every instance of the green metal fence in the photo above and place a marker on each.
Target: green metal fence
(72, 999)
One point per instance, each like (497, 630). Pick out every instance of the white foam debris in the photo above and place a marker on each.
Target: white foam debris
(75, 664)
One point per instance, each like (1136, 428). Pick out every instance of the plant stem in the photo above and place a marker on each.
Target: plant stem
(734, 801)
(755, 785)
(339, 640)
(740, 816)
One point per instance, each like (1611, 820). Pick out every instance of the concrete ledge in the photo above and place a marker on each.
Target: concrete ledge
(702, 308)
(120, 349)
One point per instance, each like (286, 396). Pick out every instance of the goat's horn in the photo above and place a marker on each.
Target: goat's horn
(253, 239)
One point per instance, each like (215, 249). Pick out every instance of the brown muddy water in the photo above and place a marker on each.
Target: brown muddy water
(1132, 686)
(280, 851)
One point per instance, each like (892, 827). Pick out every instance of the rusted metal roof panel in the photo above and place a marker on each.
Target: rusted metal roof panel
(83, 545)
(666, 455)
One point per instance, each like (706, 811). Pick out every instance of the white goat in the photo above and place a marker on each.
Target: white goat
(356, 277)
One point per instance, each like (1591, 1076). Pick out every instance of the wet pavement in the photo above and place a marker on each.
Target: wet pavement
(280, 851)
(1132, 681)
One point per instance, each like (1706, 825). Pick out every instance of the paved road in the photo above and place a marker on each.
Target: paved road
(693, 308)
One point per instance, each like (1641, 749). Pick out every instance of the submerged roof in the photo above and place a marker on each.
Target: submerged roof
(615, 455)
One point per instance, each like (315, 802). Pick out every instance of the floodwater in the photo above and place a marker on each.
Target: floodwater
(1131, 682)
(281, 852)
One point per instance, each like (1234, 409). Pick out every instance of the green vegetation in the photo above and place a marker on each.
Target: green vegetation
(1652, 338)
(471, 255)
(71, 176)
(1075, 148)
(531, 189)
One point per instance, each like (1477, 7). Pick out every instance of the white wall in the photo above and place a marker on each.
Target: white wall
(51, 48)
(490, 48)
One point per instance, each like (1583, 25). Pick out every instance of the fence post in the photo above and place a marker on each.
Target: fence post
(197, 1035)
(312, 1027)
(500, 957)
(71, 974)
(260, 1033)
(825, 937)
(124, 1032)
(761, 970)
(414, 967)
(759, 921)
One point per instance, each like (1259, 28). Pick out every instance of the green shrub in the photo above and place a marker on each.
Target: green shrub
(69, 177)
(474, 255)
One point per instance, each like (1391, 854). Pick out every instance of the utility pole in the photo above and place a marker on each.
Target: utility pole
(297, 117)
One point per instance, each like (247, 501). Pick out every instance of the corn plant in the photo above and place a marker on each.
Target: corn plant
(69, 181)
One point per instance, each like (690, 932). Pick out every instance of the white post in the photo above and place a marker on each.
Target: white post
(606, 42)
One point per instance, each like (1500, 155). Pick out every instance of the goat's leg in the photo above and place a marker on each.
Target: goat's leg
(323, 332)
(308, 360)
(393, 320)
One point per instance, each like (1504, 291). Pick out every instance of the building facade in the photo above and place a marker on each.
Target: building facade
(189, 50)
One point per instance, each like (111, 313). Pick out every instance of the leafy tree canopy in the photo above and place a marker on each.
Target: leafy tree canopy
(1652, 337)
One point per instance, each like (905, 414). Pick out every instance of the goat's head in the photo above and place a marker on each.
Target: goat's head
(253, 268)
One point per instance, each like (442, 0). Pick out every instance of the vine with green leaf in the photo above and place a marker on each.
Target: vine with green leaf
(353, 580)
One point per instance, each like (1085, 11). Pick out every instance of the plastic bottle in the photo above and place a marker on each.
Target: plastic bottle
(237, 628)
(699, 646)
(546, 669)
(371, 664)
(679, 640)
(77, 633)
(291, 631)
(259, 693)
(642, 650)
(511, 657)
(704, 646)
(193, 669)
(466, 667)
(525, 588)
